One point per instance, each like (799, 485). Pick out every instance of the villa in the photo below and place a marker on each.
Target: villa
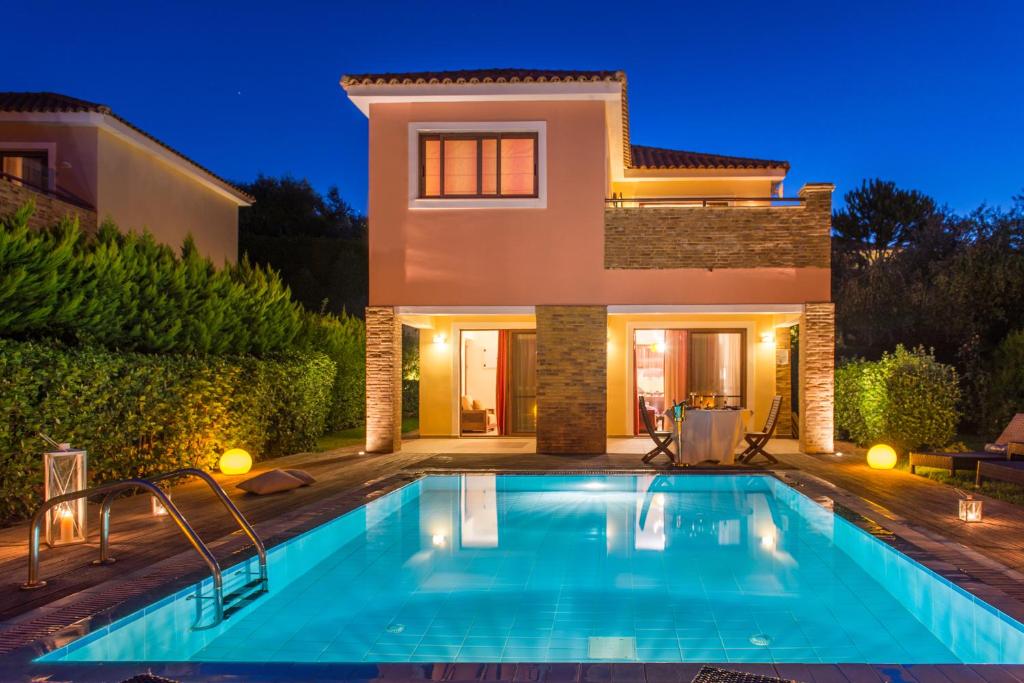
(557, 271)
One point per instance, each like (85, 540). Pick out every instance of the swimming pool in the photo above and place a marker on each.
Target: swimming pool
(542, 568)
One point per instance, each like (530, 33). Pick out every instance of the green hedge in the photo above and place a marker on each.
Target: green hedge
(139, 414)
(127, 292)
(907, 399)
(1002, 385)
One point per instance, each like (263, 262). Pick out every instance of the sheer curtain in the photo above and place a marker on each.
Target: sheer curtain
(715, 364)
(675, 366)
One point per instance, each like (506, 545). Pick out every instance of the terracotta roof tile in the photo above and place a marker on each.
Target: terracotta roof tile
(51, 102)
(481, 76)
(660, 158)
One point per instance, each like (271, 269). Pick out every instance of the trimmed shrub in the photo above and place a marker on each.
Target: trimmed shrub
(141, 414)
(906, 399)
(127, 292)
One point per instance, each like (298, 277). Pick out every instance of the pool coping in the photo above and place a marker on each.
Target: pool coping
(52, 626)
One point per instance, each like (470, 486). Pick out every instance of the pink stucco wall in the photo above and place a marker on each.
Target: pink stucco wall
(508, 257)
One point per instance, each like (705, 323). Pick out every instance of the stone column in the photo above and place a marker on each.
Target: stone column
(817, 376)
(572, 379)
(383, 380)
(783, 383)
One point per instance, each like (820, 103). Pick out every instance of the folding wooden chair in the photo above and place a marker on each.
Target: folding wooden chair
(758, 440)
(662, 440)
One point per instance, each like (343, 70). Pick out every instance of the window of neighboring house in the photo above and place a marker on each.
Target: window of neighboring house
(478, 165)
(26, 168)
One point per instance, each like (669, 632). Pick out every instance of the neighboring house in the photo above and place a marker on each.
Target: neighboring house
(557, 271)
(73, 157)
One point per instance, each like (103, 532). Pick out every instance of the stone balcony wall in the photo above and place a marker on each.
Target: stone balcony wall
(48, 209)
(653, 238)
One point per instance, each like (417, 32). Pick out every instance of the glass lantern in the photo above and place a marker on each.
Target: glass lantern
(64, 472)
(970, 509)
(158, 505)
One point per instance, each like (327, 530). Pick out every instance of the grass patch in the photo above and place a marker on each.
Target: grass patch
(356, 436)
(1000, 490)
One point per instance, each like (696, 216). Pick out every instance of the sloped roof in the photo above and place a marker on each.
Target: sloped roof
(475, 76)
(51, 102)
(661, 158)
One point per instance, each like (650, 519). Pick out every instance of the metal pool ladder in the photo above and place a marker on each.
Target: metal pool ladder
(224, 605)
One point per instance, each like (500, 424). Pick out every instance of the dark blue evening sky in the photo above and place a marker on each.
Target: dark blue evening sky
(929, 94)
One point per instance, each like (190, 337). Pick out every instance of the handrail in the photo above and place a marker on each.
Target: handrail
(242, 522)
(703, 200)
(183, 525)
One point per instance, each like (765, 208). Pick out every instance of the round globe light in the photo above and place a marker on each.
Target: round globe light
(881, 457)
(235, 461)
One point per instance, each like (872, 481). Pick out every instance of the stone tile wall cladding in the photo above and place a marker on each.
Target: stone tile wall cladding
(817, 377)
(383, 380)
(721, 237)
(572, 379)
(48, 210)
(783, 383)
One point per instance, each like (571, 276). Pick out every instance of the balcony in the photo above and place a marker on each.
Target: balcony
(50, 205)
(661, 233)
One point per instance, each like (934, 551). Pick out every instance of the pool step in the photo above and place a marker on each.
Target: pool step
(244, 595)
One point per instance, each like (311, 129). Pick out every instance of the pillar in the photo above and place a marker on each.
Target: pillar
(817, 377)
(383, 380)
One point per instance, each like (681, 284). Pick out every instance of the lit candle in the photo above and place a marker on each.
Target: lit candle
(67, 526)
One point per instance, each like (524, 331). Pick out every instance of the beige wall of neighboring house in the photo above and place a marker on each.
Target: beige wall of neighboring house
(139, 191)
(120, 172)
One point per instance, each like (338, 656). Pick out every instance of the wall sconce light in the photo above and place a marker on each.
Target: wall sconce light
(970, 509)
(768, 338)
(64, 471)
(440, 338)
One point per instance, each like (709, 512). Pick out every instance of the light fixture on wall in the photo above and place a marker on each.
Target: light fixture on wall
(767, 338)
(440, 338)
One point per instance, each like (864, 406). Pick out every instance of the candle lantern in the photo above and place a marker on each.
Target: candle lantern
(158, 505)
(970, 509)
(65, 472)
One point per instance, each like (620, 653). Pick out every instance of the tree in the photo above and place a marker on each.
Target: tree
(880, 217)
(317, 243)
(289, 207)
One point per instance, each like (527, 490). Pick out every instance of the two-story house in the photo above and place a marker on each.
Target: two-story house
(73, 157)
(557, 271)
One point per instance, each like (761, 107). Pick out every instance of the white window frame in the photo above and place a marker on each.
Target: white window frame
(537, 127)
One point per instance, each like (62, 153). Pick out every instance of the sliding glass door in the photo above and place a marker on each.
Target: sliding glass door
(674, 365)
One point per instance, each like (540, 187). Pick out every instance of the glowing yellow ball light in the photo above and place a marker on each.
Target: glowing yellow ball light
(881, 457)
(235, 461)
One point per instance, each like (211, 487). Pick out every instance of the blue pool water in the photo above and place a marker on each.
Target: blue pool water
(579, 568)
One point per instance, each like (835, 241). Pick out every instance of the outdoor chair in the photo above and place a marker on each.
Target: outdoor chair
(1009, 446)
(758, 440)
(662, 440)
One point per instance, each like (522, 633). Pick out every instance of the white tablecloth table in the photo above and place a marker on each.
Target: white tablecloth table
(710, 435)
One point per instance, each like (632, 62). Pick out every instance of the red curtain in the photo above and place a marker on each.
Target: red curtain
(501, 409)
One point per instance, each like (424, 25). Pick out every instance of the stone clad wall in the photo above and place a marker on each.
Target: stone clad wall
(383, 380)
(817, 377)
(784, 385)
(572, 379)
(48, 210)
(721, 237)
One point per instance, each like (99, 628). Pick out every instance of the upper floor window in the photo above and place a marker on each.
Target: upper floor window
(478, 165)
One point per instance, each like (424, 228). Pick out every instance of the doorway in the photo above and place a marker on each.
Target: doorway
(498, 383)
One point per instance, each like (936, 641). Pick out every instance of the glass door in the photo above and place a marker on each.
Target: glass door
(522, 382)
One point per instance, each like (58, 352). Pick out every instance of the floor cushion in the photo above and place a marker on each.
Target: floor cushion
(302, 475)
(274, 481)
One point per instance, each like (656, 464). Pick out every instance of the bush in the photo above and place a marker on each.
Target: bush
(127, 292)
(907, 399)
(1002, 388)
(140, 414)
